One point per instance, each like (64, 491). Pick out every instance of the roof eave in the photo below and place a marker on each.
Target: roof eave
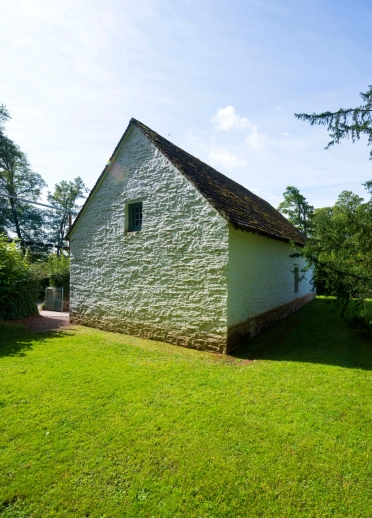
(254, 230)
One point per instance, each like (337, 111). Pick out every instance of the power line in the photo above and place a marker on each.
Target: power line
(70, 212)
(36, 243)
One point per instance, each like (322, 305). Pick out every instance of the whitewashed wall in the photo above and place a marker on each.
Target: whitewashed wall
(260, 276)
(167, 281)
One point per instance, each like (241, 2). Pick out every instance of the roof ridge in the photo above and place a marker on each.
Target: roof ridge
(242, 208)
(254, 220)
(140, 124)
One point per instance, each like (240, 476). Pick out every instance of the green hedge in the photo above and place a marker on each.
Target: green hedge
(18, 284)
(19, 301)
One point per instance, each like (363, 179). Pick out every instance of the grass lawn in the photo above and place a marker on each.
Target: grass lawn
(105, 425)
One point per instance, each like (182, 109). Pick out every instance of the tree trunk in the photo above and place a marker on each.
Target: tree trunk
(62, 226)
(16, 222)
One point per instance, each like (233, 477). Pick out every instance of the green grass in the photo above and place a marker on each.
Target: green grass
(104, 425)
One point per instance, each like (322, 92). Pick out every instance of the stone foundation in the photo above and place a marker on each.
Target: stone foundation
(253, 326)
(202, 341)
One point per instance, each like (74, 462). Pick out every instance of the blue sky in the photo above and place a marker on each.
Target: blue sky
(221, 79)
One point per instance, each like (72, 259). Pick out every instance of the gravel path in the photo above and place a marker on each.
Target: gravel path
(46, 321)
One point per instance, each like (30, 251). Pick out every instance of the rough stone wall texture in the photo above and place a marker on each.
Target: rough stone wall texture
(166, 282)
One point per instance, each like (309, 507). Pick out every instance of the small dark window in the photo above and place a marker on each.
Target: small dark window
(296, 279)
(134, 216)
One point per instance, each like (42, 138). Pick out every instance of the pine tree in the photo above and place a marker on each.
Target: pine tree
(298, 211)
(345, 123)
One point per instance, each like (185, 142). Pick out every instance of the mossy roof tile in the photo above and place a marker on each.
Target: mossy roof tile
(241, 207)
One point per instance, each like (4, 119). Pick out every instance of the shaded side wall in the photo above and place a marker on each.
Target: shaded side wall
(169, 280)
(261, 284)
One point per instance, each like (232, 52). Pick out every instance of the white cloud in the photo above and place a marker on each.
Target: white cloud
(256, 139)
(227, 119)
(223, 158)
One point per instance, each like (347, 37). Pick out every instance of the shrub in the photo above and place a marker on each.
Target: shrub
(55, 272)
(18, 284)
(40, 271)
(59, 273)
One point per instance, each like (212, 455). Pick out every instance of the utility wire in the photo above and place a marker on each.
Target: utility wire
(41, 204)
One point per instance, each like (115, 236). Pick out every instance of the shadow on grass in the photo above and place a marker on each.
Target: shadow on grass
(314, 334)
(16, 339)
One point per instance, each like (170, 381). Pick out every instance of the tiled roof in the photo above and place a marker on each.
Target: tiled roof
(239, 206)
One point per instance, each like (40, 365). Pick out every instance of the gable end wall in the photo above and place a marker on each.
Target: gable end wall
(166, 282)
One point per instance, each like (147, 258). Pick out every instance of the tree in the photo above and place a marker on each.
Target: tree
(4, 116)
(345, 123)
(18, 180)
(340, 249)
(297, 209)
(65, 196)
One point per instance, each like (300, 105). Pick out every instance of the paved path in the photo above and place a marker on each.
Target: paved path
(46, 321)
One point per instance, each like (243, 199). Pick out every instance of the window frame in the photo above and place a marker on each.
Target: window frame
(131, 221)
(296, 272)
